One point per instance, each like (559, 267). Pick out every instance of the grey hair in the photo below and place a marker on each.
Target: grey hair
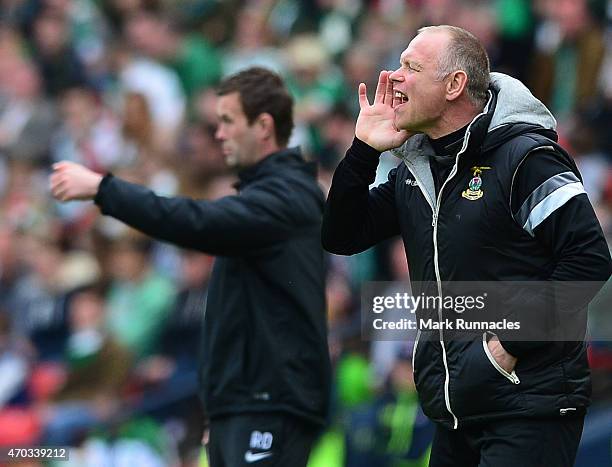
(465, 52)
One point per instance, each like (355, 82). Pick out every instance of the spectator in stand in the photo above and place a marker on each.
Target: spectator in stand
(27, 119)
(38, 311)
(97, 369)
(195, 61)
(570, 50)
(90, 133)
(14, 362)
(169, 378)
(54, 54)
(139, 298)
(252, 44)
(161, 87)
(11, 268)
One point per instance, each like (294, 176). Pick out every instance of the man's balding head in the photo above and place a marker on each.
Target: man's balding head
(463, 52)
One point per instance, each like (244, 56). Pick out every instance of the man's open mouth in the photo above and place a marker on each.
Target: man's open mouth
(400, 98)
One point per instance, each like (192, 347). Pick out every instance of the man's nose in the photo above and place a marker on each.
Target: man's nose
(219, 134)
(396, 75)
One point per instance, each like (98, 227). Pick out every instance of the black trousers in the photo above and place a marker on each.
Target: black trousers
(260, 440)
(509, 443)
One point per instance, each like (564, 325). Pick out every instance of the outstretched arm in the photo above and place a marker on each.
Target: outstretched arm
(265, 213)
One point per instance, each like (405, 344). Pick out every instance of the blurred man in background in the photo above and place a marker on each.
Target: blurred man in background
(265, 365)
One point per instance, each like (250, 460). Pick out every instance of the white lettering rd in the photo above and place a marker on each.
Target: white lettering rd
(261, 440)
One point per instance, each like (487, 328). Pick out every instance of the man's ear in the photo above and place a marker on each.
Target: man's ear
(265, 126)
(455, 84)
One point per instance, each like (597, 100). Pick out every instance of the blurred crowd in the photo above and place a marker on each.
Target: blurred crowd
(99, 325)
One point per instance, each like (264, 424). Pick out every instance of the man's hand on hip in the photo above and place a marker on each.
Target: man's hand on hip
(375, 123)
(70, 181)
(501, 356)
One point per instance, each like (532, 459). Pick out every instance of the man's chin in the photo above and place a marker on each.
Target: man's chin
(231, 161)
(401, 124)
(408, 125)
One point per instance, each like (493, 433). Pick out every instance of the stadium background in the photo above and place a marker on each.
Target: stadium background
(128, 86)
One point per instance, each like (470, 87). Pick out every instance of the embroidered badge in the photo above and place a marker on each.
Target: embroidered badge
(474, 192)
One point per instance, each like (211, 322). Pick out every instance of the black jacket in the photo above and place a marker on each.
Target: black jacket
(490, 227)
(264, 344)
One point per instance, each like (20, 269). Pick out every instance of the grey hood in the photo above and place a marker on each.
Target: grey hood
(516, 104)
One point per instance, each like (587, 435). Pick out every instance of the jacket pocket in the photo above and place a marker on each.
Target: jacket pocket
(477, 387)
(512, 377)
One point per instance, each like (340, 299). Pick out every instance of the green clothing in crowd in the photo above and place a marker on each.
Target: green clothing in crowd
(198, 65)
(137, 311)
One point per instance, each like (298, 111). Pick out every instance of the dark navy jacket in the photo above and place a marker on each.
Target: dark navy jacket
(524, 217)
(264, 346)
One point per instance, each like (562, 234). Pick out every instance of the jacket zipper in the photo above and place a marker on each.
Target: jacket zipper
(439, 283)
(437, 266)
(510, 376)
(434, 224)
(414, 349)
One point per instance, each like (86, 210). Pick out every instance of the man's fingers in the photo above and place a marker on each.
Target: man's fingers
(53, 183)
(58, 193)
(66, 165)
(61, 165)
(381, 88)
(389, 91)
(363, 97)
(58, 187)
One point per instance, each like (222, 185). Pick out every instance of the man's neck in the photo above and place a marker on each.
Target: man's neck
(454, 120)
(261, 153)
(449, 145)
(266, 150)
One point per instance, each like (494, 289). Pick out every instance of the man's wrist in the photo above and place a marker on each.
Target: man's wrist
(96, 187)
(510, 347)
(363, 154)
(104, 181)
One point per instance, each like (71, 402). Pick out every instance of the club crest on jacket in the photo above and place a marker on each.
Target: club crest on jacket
(474, 192)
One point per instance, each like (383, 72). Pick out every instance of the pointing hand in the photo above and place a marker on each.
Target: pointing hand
(70, 181)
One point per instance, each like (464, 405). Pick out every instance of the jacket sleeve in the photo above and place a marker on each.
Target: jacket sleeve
(550, 203)
(264, 213)
(355, 217)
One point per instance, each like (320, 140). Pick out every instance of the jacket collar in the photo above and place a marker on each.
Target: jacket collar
(417, 150)
(276, 160)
